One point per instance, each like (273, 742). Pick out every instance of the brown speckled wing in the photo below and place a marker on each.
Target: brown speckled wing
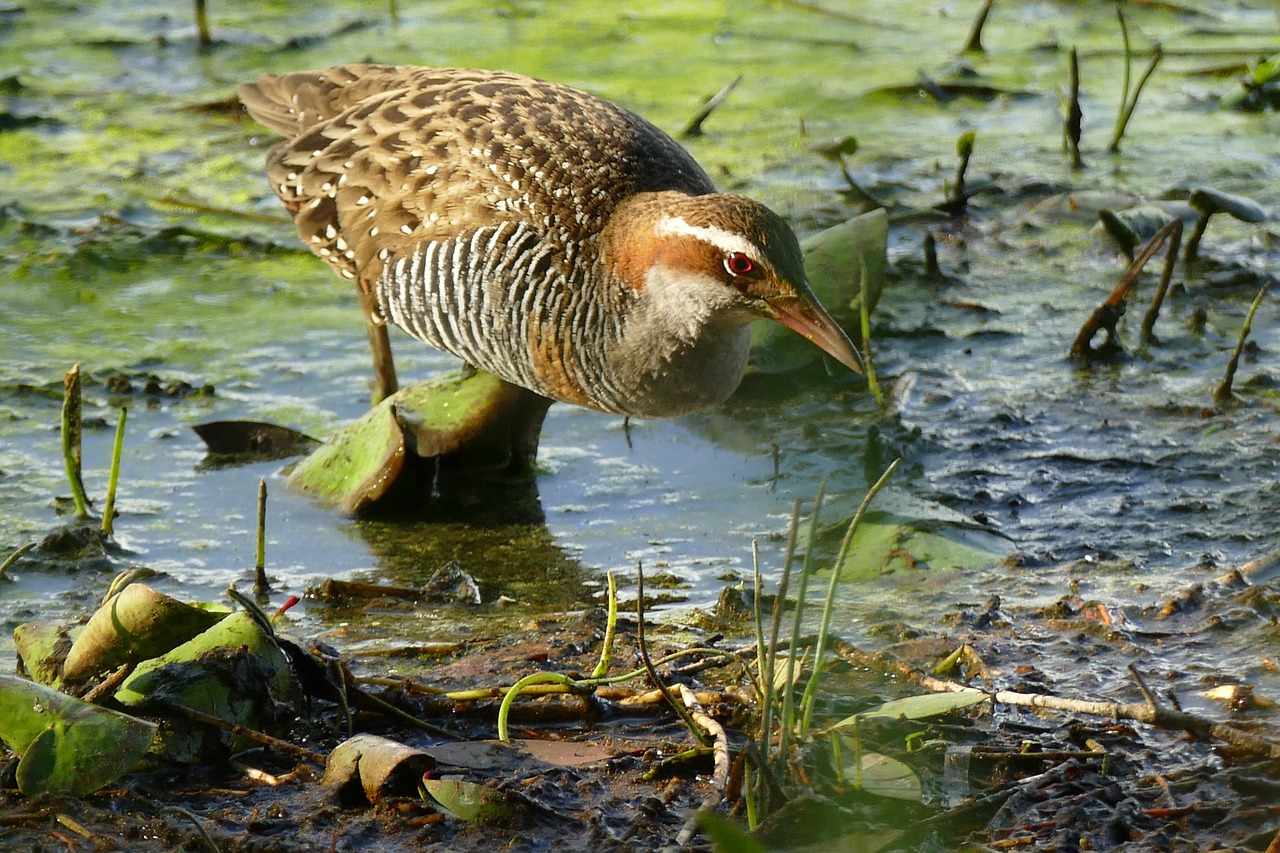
(378, 160)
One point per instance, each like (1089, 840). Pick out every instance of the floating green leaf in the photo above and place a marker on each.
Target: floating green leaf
(67, 745)
(478, 415)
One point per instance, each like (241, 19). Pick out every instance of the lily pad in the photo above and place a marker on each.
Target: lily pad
(67, 745)
(42, 646)
(836, 261)
(477, 419)
(234, 671)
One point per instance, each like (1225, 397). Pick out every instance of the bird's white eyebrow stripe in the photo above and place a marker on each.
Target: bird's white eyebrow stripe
(726, 241)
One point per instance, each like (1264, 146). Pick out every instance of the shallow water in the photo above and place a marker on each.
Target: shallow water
(1121, 478)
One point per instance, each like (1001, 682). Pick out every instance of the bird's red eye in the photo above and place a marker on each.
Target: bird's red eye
(740, 264)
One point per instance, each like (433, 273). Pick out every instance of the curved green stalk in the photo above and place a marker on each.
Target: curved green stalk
(1124, 81)
(504, 710)
(610, 628)
(15, 556)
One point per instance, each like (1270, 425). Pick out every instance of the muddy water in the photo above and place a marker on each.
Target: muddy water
(1122, 479)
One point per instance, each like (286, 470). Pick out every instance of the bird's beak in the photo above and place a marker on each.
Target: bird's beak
(804, 315)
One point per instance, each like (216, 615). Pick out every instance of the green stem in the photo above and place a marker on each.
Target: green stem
(204, 39)
(15, 556)
(1124, 84)
(610, 628)
(1128, 103)
(768, 677)
(260, 583)
(864, 319)
(824, 630)
(788, 719)
(1223, 393)
(113, 480)
(1193, 242)
(504, 710)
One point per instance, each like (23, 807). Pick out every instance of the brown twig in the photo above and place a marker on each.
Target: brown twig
(1108, 314)
(694, 127)
(678, 707)
(1170, 261)
(722, 761)
(109, 685)
(1075, 116)
(252, 734)
(974, 44)
(1223, 395)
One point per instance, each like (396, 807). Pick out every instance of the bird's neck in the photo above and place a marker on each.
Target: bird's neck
(676, 352)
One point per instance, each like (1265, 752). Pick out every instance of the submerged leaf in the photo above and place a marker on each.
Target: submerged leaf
(919, 707)
(885, 777)
(67, 745)
(902, 532)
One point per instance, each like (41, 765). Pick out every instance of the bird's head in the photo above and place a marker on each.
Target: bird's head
(722, 258)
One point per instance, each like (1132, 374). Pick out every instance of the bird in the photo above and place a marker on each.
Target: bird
(538, 232)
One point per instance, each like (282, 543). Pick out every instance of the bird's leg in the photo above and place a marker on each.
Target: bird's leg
(532, 411)
(384, 366)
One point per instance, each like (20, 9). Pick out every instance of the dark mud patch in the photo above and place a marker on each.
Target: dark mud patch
(1006, 777)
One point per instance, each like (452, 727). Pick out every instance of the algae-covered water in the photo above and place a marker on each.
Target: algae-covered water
(138, 238)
